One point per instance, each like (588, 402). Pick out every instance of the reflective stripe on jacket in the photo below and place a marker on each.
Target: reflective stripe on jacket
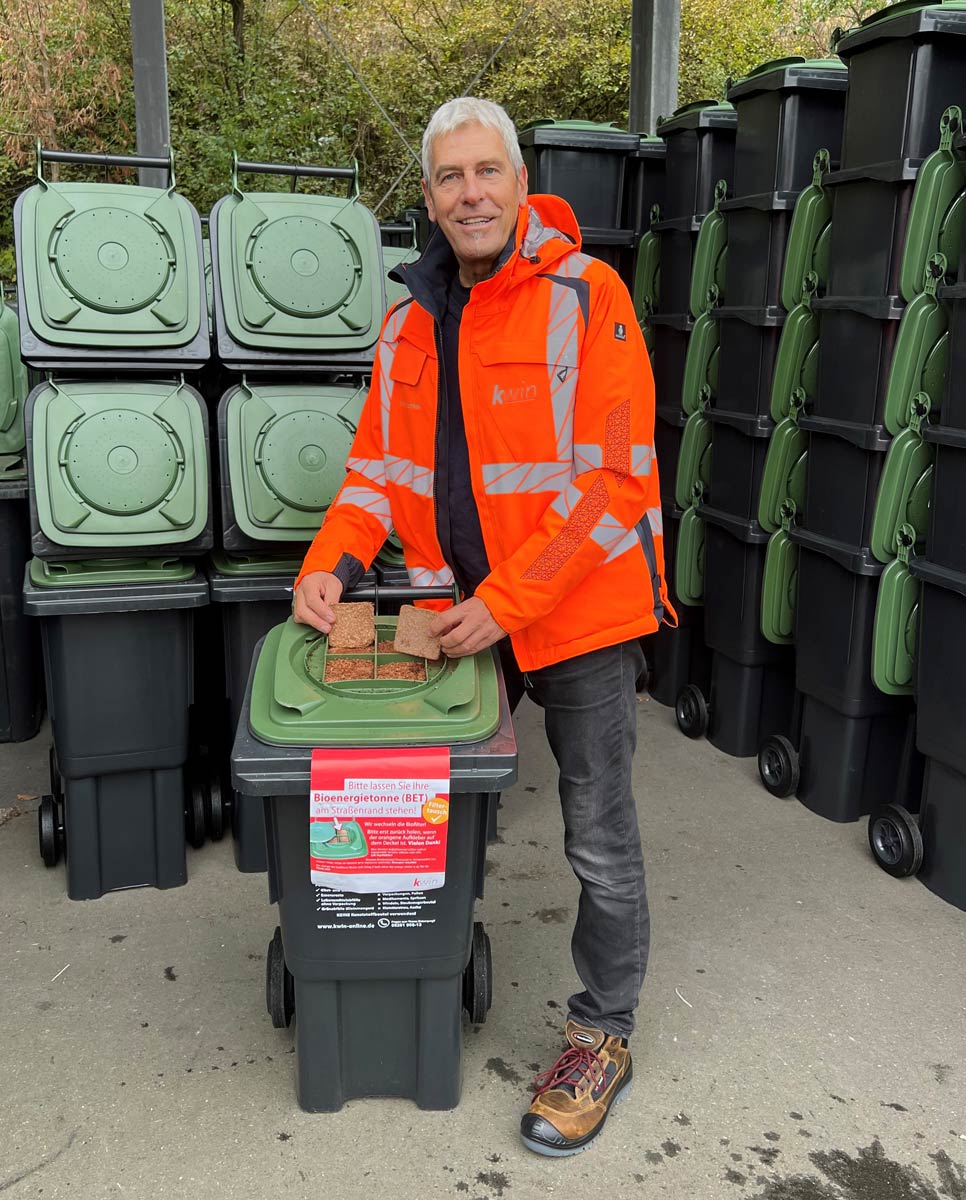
(558, 401)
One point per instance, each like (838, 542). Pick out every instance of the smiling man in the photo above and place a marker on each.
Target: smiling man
(508, 438)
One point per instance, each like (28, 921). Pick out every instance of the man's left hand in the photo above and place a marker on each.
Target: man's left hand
(466, 628)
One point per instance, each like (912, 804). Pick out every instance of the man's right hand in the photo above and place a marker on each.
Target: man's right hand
(314, 598)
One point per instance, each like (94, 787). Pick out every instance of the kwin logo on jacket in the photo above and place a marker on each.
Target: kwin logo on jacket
(514, 395)
(620, 331)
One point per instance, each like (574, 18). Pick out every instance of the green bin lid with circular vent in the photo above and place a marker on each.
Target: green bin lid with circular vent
(13, 384)
(118, 467)
(110, 269)
(292, 705)
(284, 449)
(293, 272)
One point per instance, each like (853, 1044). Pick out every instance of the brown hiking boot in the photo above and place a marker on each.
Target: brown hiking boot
(572, 1098)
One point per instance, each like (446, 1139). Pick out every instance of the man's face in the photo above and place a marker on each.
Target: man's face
(474, 195)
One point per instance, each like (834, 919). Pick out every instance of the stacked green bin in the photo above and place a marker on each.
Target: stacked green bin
(113, 306)
(377, 998)
(283, 450)
(585, 163)
(881, 343)
(785, 110)
(921, 617)
(700, 142)
(283, 441)
(298, 279)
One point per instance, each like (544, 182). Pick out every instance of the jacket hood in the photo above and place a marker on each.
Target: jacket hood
(546, 230)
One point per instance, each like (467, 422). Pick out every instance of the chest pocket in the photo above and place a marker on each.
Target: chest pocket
(526, 400)
(407, 364)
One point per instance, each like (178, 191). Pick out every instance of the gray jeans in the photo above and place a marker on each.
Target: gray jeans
(590, 715)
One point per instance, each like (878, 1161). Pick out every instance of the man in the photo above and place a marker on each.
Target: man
(508, 437)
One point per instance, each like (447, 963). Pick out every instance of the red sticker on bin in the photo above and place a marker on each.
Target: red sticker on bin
(378, 819)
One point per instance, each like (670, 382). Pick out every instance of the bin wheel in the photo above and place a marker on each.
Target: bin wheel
(51, 830)
(279, 984)
(195, 813)
(216, 807)
(778, 766)
(691, 711)
(56, 783)
(478, 977)
(895, 840)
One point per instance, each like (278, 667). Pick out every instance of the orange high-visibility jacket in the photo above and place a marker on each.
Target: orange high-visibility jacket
(558, 403)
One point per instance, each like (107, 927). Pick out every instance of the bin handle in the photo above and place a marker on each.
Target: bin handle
(104, 160)
(389, 591)
(296, 171)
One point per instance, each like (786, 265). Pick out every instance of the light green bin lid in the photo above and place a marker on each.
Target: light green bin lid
(809, 236)
(779, 588)
(784, 475)
(298, 272)
(287, 447)
(291, 705)
(895, 631)
(110, 266)
(397, 256)
(701, 364)
(108, 571)
(921, 354)
(694, 458)
(13, 383)
(938, 211)
(119, 465)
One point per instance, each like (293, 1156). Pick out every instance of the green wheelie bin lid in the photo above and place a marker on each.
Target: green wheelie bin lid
(108, 270)
(779, 586)
(895, 630)
(246, 565)
(905, 490)
(293, 705)
(809, 236)
(397, 256)
(391, 552)
(938, 212)
(784, 475)
(694, 458)
(14, 385)
(701, 364)
(44, 573)
(710, 257)
(647, 275)
(921, 355)
(796, 360)
(284, 449)
(296, 272)
(689, 559)
(119, 466)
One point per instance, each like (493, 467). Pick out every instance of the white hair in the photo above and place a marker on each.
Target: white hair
(465, 110)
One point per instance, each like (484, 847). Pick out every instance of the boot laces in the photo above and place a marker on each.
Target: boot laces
(572, 1068)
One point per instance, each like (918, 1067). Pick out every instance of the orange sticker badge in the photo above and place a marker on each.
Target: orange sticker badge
(436, 810)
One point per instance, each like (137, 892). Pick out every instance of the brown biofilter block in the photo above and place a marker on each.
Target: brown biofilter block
(386, 647)
(413, 671)
(354, 627)
(337, 670)
(412, 633)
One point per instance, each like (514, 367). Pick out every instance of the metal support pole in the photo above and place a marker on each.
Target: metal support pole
(150, 87)
(655, 42)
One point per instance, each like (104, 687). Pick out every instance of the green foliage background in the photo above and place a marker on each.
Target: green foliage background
(260, 76)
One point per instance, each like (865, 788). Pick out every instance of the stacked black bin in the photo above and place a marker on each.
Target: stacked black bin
(112, 307)
(929, 596)
(786, 110)
(700, 141)
(587, 164)
(292, 386)
(854, 742)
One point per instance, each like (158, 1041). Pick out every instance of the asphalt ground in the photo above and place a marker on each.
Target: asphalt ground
(801, 1034)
